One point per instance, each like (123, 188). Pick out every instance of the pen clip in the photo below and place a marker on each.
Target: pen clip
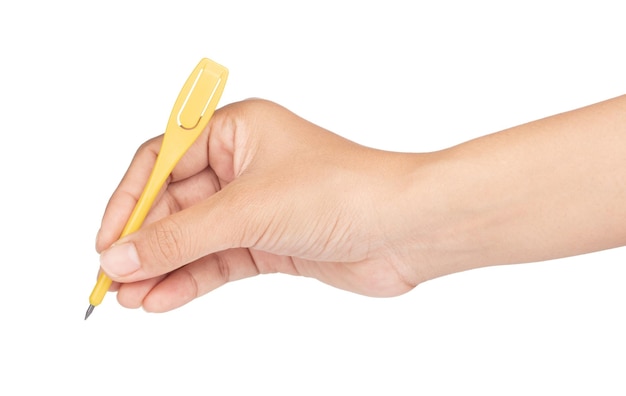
(199, 96)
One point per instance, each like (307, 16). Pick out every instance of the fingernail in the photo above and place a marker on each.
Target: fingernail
(120, 260)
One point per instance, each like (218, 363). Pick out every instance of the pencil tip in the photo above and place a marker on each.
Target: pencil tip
(89, 311)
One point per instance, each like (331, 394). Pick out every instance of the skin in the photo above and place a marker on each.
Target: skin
(263, 191)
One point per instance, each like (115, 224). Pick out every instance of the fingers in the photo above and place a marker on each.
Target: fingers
(157, 248)
(127, 193)
(221, 130)
(171, 291)
(231, 218)
(260, 177)
(191, 228)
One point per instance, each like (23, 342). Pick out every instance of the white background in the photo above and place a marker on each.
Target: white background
(82, 84)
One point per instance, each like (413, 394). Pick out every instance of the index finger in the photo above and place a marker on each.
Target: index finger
(127, 193)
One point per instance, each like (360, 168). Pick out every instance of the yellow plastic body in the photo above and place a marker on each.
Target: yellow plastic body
(194, 107)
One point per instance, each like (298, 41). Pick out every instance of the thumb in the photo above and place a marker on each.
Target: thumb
(173, 241)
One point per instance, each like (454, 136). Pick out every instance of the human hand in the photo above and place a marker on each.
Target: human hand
(263, 190)
(260, 191)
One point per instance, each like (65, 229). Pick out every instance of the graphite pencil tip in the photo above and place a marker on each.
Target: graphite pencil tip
(89, 311)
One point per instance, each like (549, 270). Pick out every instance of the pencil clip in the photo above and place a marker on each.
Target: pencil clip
(199, 96)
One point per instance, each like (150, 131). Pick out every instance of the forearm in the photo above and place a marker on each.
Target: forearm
(552, 188)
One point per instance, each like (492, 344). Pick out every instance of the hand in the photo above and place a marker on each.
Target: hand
(261, 191)
(264, 191)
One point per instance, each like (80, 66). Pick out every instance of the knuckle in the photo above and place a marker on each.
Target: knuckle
(167, 244)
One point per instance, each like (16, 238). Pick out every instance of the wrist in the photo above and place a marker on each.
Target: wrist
(411, 214)
(443, 217)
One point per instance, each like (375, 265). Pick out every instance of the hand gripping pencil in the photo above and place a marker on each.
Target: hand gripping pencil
(194, 107)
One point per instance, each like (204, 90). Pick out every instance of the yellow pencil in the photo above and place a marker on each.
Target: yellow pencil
(192, 110)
